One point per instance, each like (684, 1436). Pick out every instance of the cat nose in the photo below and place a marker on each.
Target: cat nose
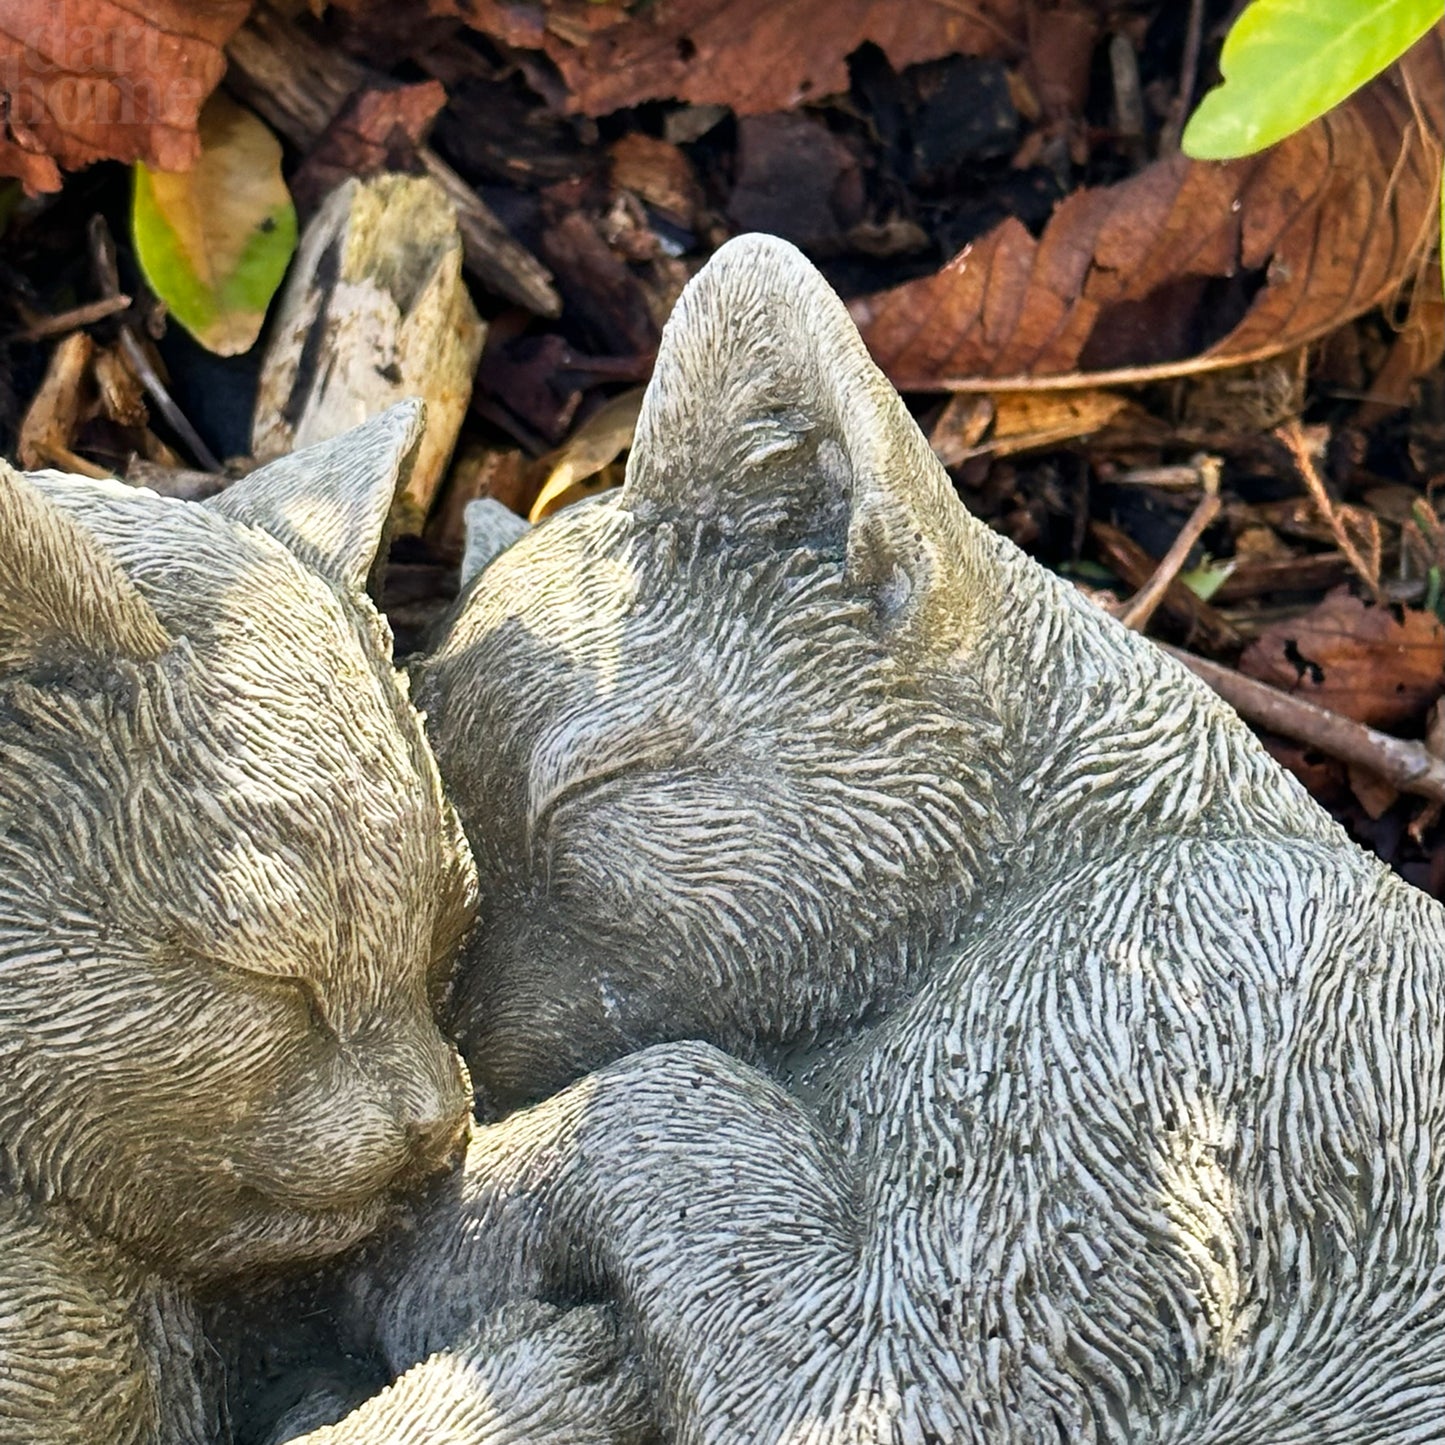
(433, 1143)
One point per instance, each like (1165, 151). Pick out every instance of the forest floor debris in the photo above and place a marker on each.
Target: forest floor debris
(1210, 392)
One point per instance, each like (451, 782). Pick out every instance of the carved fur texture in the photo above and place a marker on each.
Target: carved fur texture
(976, 1036)
(531, 1374)
(230, 893)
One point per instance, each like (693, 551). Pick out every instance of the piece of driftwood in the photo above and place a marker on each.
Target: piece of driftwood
(299, 87)
(375, 310)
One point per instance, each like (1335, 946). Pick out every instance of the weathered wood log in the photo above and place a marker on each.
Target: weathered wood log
(375, 310)
(299, 86)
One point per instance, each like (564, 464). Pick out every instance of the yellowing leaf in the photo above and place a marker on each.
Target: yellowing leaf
(214, 241)
(586, 454)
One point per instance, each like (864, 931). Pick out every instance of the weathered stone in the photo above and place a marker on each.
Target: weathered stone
(230, 891)
(976, 1036)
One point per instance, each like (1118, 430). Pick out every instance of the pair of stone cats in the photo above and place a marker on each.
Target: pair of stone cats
(906, 1006)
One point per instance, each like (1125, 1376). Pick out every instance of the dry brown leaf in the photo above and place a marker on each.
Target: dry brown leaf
(585, 456)
(1418, 347)
(752, 55)
(1009, 422)
(1125, 277)
(659, 173)
(1026, 420)
(961, 425)
(1363, 662)
(92, 80)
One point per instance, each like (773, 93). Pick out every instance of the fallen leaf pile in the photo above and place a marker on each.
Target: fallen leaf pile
(1188, 264)
(1208, 393)
(750, 55)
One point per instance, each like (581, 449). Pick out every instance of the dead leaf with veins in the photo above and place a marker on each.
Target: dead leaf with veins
(1367, 663)
(93, 80)
(752, 55)
(1186, 266)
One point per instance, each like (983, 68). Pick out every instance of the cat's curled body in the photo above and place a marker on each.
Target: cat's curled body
(976, 1036)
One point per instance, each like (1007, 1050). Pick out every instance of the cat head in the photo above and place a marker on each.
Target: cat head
(230, 886)
(715, 739)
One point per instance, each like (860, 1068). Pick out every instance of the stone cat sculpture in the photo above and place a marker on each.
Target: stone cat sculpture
(946, 1023)
(230, 894)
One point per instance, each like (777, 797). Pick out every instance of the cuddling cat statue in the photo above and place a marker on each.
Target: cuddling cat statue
(940, 1019)
(230, 894)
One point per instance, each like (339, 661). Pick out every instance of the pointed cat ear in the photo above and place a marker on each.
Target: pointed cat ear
(60, 590)
(491, 528)
(767, 418)
(329, 503)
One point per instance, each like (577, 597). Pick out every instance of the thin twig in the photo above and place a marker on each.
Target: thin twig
(1405, 765)
(1176, 477)
(1146, 600)
(62, 456)
(1199, 365)
(102, 250)
(1188, 74)
(1294, 439)
(156, 390)
(66, 321)
(1124, 556)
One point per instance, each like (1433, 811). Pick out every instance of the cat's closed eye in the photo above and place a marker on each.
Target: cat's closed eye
(567, 766)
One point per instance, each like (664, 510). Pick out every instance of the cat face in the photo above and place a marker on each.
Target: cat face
(723, 775)
(230, 888)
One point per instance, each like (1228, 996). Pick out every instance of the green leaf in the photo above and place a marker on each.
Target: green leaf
(214, 241)
(1286, 62)
(1204, 581)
